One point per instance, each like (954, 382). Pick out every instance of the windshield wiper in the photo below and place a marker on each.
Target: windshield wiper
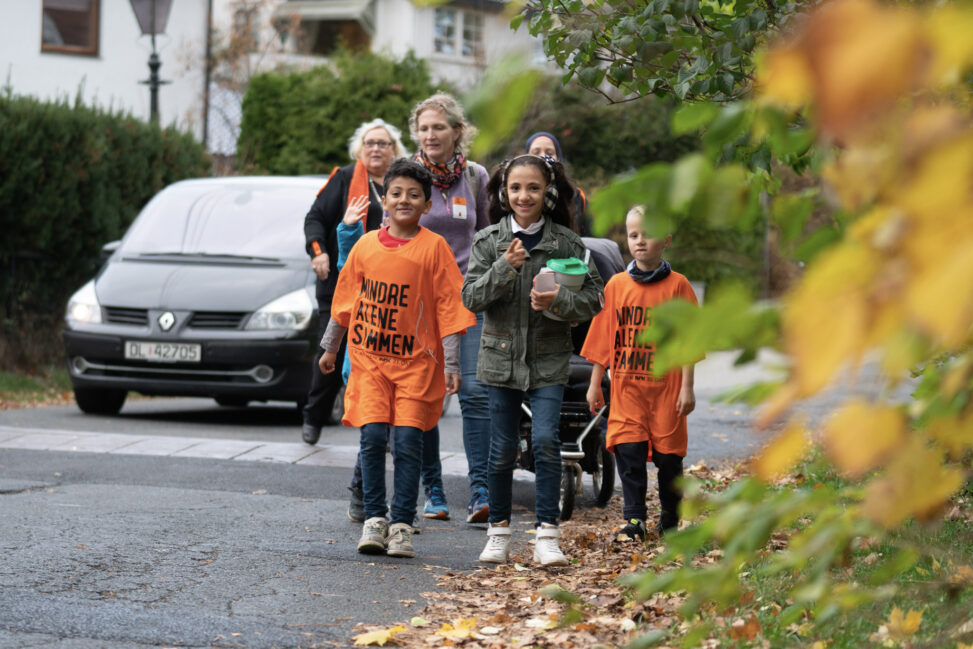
(207, 255)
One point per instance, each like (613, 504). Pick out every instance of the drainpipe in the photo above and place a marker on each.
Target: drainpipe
(208, 71)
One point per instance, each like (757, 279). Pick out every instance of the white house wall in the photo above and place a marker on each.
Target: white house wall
(402, 26)
(110, 78)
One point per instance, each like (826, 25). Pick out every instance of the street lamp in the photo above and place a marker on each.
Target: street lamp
(152, 16)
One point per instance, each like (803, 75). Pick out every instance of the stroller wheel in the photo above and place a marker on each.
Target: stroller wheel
(603, 475)
(569, 482)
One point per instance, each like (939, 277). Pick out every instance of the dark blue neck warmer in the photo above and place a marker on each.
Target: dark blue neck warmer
(651, 276)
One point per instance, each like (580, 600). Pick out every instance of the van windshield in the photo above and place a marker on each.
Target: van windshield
(236, 220)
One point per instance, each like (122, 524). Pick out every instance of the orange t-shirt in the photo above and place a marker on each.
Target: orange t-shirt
(642, 406)
(398, 304)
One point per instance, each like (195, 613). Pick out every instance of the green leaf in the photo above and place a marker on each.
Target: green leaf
(591, 77)
(555, 592)
(688, 173)
(732, 122)
(497, 103)
(816, 242)
(790, 213)
(692, 117)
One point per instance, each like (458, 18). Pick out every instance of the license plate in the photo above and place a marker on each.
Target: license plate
(159, 352)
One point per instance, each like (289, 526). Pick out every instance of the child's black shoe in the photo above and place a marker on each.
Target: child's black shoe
(634, 530)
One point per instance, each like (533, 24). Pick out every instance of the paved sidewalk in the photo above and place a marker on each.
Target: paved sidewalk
(42, 439)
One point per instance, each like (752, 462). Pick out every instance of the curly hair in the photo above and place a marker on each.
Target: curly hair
(453, 112)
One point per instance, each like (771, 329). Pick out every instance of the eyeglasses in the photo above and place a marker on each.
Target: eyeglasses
(376, 144)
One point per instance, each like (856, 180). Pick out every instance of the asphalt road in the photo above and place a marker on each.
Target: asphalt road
(116, 550)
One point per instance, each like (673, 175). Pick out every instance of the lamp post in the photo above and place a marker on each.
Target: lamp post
(152, 16)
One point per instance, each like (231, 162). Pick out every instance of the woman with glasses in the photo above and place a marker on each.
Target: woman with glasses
(353, 192)
(459, 210)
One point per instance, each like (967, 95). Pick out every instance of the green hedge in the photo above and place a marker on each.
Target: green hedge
(299, 123)
(72, 178)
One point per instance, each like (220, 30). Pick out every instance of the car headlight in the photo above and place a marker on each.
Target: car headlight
(289, 312)
(83, 307)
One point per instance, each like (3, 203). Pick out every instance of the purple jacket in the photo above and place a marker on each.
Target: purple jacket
(457, 231)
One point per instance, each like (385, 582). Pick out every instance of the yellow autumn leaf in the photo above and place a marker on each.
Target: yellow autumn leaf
(903, 625)
(826, 316)
(948, 30)
(932, 191)
(782, 453)
(953, 434)
(916, 483)
(940, 298)
(784, 77)
(885, 45)
(860, 436)
(380, 637)
(419, 621)
(461, 628)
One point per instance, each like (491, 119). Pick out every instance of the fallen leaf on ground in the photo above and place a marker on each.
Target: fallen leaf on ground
(380, 637)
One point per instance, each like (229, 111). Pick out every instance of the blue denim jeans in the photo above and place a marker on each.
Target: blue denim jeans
(475, 406)
(432, 466)
(407, 442)
(505, 412)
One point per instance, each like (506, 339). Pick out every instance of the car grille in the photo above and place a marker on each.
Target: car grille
(121, 315)
(216, 320)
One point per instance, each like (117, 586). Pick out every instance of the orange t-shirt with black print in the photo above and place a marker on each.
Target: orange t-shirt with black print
(398, 304)
(642, 405)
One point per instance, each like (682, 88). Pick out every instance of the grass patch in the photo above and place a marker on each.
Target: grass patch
(47, 385)
(917, 568)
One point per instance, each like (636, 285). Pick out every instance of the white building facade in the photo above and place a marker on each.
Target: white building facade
(95, 49)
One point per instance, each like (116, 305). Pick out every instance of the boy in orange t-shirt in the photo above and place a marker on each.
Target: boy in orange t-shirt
(647, 418)
(398, 299)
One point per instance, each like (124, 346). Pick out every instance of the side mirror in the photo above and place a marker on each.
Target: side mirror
(108, 250)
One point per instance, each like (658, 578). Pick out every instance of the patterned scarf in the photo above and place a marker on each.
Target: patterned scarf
(444, 175)
(649, 277)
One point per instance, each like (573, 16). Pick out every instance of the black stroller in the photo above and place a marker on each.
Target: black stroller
(582, 434)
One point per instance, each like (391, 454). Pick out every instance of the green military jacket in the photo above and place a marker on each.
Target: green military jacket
(521, 348)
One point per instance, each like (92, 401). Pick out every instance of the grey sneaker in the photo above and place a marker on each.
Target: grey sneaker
(356, 505)
(400, 541)
(373, 535)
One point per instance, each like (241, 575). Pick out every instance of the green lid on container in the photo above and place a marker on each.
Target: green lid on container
(569, 266)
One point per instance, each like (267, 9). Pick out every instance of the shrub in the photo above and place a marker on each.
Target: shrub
(300, 122)
(72, 178)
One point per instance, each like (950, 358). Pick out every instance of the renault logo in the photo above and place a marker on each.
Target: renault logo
(166, 320)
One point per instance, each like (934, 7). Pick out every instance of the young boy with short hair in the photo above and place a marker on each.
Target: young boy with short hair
(647, 418)
(398, 299)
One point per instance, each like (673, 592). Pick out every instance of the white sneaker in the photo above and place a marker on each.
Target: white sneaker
(373, 535)
(498, 543)
(400, 540)
(546, 550)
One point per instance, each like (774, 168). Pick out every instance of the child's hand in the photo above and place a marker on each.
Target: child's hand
(357, 210)
(453, 381)
(595, 397)
(543, 301)
(515, 253)
(686, 402)
(327, 362)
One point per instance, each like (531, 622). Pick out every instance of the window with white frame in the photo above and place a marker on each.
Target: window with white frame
(70, 26)
(458, 33)
(245, 30)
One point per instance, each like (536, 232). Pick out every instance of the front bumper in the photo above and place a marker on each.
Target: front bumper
(255, 369)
